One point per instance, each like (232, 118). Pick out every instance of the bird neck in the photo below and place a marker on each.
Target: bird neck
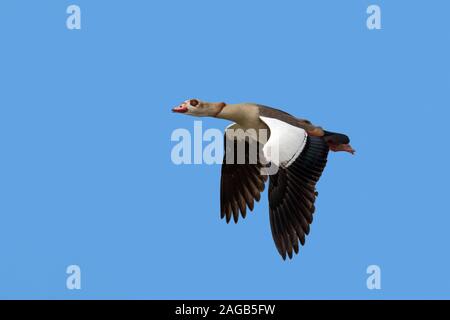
(243, 114)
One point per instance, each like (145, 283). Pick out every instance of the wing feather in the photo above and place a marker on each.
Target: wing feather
(241, 184)
(292, 193)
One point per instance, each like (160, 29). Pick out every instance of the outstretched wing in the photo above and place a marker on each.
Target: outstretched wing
(241, 182)
(292, 193)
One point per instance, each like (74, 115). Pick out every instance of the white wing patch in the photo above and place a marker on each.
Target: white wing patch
(285, 143)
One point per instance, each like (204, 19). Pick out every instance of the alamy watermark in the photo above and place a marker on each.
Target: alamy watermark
(242, 146)
(73, 21)
(73, 281)
(373, 22)
(373, 282)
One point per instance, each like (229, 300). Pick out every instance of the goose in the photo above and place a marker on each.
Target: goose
(295, 147)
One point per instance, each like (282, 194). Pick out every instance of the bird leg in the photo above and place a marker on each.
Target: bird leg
(341, 147)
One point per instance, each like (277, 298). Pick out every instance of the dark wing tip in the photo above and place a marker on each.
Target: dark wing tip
(292, 195)
(241, 184)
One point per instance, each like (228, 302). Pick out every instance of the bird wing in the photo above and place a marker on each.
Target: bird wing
(270, 112)
(292, 193)
(241, 180)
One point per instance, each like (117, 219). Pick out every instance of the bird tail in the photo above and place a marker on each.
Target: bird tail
(336, 138)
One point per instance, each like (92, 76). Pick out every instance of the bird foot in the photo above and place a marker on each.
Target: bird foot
(342, 147)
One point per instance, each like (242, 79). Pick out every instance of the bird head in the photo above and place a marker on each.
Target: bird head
(198, 108)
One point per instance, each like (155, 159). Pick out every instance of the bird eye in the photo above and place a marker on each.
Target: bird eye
(193, 102)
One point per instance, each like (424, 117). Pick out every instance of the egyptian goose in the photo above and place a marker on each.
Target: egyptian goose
(296, 148)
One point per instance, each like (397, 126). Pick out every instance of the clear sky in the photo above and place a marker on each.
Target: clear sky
(86, 176)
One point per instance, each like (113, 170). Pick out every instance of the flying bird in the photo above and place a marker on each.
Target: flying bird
(295, 148)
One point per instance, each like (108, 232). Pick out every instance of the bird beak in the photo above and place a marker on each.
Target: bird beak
(180, 109)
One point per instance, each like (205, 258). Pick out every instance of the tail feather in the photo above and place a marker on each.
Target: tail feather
(336, 138)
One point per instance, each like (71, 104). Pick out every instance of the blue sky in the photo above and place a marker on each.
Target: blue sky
(86, 176)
